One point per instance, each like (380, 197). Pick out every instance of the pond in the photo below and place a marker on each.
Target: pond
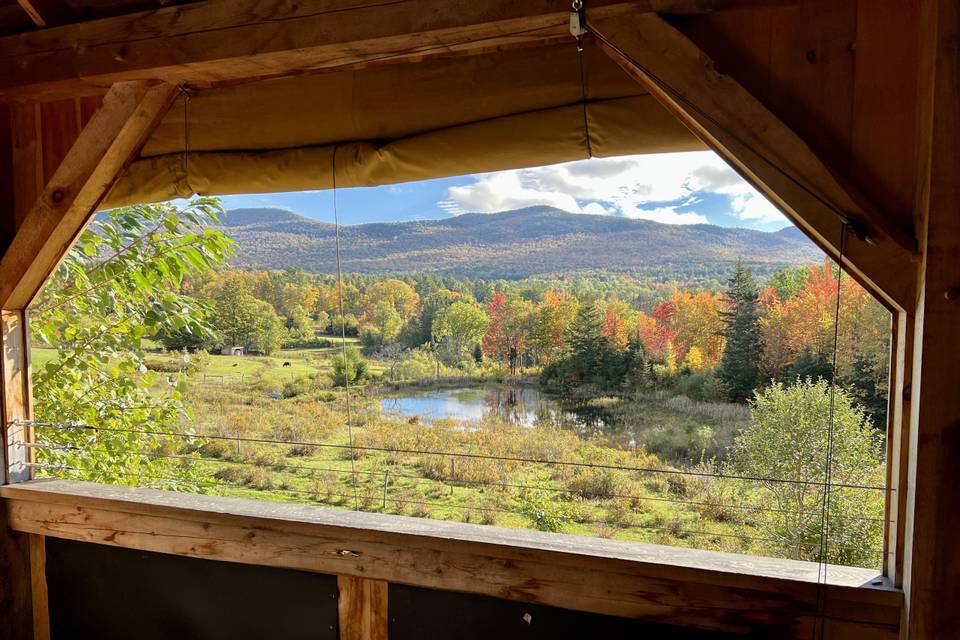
(527, 406)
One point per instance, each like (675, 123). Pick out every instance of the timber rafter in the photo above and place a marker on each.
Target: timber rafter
(226, 41)
(760, 147)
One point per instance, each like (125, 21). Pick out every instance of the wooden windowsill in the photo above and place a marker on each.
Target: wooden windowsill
(705, 589)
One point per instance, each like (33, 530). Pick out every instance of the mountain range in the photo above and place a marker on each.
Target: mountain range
(535, 241)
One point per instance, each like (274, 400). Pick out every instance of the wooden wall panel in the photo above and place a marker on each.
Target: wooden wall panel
(60, 124)
(832, 73)
(27, 159)
(104, 593)
(932, 561)
(885, 104)
(797, 60)
(7, 205)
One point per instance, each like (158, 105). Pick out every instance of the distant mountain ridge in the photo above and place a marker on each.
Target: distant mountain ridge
(536, 241)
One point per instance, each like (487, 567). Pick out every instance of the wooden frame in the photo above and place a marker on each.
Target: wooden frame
(762, 149)
(57, 181)
(226, 41)
(708, 590)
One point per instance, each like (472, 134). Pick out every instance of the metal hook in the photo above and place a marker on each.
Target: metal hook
(578, 22)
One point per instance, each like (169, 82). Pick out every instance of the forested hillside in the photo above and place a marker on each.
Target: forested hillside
(644, 407)
(514, 244)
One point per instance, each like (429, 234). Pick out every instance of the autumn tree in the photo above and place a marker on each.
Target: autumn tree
(509, 330)
(385, 324)
(397, 293)
(460, 327)
(242, 319)
(552, 322)
(616, 314)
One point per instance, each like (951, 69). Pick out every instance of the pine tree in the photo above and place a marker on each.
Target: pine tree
(740, 364)
(588, 346)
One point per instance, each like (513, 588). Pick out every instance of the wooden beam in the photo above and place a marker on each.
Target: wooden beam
(8, 223)
(16, 397)
(219, 41)
(709, 590)
(16, 584)
(23, 595)
(38, 587)
(362, 607)
(103, 149)
(47, 13)
(932, 563)
(762, 149)
(898, 442)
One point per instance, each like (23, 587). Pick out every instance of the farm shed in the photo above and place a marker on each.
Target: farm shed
(844, 113)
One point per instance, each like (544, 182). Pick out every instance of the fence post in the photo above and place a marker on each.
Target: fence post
(451, 474)
(386, 475)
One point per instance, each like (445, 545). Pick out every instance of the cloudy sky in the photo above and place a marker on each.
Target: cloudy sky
(673, 188)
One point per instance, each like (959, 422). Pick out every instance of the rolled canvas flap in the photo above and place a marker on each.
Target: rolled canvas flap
(631, 125)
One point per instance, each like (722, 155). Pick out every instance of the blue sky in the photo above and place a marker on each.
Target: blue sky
(676, 188)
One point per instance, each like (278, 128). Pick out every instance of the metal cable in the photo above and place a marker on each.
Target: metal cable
(460, 454)
(819, 627)
(311, 469)
(343, 326)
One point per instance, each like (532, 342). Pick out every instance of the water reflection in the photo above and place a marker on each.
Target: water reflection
(526, 406)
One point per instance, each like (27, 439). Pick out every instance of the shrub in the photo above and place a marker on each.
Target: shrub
(349, 368)
(296, 387)
(543, 514)
(787, 440)
(231, 473)
(591, 483)
(703, 386)
(163, 366)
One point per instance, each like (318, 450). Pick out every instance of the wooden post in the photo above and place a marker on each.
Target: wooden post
(932, 556)
(898, 443)
(16, 395)
(386, 479)
(56, 188)
(362, 606)
(23, 586)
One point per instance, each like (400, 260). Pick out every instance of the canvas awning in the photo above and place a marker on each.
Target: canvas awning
(398, 123)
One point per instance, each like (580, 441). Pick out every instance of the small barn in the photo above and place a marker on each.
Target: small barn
(233, 351)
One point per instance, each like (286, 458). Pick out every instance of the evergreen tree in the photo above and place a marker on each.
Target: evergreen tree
(868, 386)
(809, 366)
(588, 346)
(740, 365)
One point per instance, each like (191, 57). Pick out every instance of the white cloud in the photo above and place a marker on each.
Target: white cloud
(667, 215)
(753, 206)
(507, 190)
(630, 186)
(597, 209)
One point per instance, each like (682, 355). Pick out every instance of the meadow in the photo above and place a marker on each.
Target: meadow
(284, 433)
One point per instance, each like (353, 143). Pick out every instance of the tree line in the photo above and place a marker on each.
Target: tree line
(721, 345)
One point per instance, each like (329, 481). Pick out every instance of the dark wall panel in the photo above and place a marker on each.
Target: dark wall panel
(110, 593)
(421, 614)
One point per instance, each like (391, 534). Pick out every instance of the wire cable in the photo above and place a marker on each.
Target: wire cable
(819, 627)
(343, 327)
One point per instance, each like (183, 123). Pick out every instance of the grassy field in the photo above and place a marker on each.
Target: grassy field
(398, 470)
(232, 399)
(282, 367)
(274, 428)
